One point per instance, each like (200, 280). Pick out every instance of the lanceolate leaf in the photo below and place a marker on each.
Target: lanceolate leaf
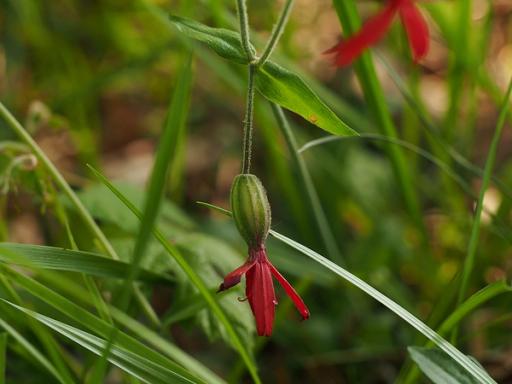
(224, 42)
(462, 360)
(195, 280)
(3, 347)
(287, 89)
(274, 82)
(159, 344)
(137, 365)
(61, 259)
(98, 326)
(467, 364)
(28, 347)
(439, 367)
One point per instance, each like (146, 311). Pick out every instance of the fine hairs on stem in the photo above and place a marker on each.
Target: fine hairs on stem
(276, 33)
(244, 29)
(253, 65)
(248, 122)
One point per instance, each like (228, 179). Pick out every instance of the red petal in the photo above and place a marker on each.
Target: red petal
(234, 277)
(371, 32)
(260, 292)
(290, 291)
(416, 28)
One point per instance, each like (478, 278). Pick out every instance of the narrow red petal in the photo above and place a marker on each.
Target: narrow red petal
(234, 277)
(290, 291)
(260, 292)
(333, 49)
(371, 32)
(416, 28)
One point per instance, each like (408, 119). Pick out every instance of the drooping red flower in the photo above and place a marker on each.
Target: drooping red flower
(252, 216)
(376, 27)
(259, 289)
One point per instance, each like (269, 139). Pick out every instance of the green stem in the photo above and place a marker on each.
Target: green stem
(475, 230)
(248, 122)
(244, 29)
(318, 212)
(374, 96)
(99, 303)
(3, 365)
(59, 179)
(459, 66)
(276, 33)
(51, 347)
(194, 278)
(64, 186)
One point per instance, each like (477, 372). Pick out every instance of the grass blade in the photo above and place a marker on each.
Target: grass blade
(91, 322)
(453, 352)
(475, 301)
(175, 118)
(74, 291)
(438, 368)
(61, 182)
(51, 348)
(53, 258)
(374, 96)
(469, 261)
(131, 362)
(313, 198)
(194, 278)
(3, 356)
(33, 351)
(474, 369)
(59, 179)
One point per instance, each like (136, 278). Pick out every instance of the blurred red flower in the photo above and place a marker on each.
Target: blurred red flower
(259, 289)
(375, 28)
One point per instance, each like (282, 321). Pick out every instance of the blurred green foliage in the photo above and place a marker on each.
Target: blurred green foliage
(91, 80)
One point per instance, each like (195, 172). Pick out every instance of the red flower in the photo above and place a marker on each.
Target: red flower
(259, 289)
(375, 28)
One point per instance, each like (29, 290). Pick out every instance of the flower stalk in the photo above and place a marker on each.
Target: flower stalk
(244, 29)
(248, 122)
(276, 32)
(249, 203)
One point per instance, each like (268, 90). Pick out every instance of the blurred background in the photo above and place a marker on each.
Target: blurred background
(91, 81)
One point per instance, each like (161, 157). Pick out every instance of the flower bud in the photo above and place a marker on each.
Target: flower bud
(250, 208)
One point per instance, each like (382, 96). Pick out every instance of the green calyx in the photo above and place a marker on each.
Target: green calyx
(251, 209)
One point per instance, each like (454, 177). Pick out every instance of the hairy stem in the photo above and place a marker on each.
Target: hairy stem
(244, 29)
(248, 122)
(276, 33)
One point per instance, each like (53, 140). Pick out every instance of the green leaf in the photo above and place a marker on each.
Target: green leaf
(439, 367)
(108, 209)
(176, 116)
(196, 281)
(32, 351)
(475, 301)
(467, 364)
(274, 82)
(128, 360)
(224, 42)
(3, 347)
(93, 323)
(61, 259)
(74, 292)
(287, 89)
